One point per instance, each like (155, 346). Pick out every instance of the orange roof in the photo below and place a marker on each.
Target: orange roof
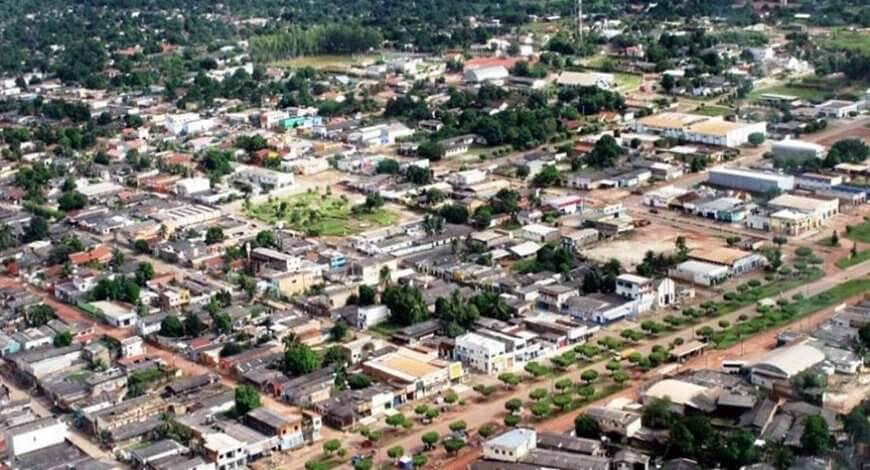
(98, 253)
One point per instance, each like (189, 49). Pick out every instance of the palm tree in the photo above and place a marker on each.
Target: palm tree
(385, 275)
(290, 340)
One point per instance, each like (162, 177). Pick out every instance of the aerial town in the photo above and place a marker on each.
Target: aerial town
(476, 235)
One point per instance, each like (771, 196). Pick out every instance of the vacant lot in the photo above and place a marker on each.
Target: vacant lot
(341, 62)
(713, 111)
(321, 214)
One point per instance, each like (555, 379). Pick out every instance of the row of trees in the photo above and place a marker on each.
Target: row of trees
(327, 39)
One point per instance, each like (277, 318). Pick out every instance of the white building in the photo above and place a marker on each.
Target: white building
(381, 134)
(783, 364)
(263, 177)
(115, 314)
(818, 182)
(798, 150)
(539, 233)
(749, 180)
(510, 446)
(700, 272)
(482, 354)
(697, 128)
(467, 178)
(371, 315)
(486, 74)
(838, 109)
(132, 346)
(35, 435)
(183, 216)
(224, 451)
(604, 81)
(189, 186)
(188, 123)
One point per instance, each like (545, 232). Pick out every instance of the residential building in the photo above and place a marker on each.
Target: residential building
(483, 354)
(224, 451)
(615, 421)
(417, 375)
(35, 435)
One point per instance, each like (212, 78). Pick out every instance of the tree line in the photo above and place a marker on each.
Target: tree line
(327, 39)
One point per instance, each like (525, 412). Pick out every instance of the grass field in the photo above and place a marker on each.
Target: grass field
(327, 61)
(849, 40)
(627, 81)
(849, 261)
(321, 214)
(804, 93)
(713, 111)
(859, 233)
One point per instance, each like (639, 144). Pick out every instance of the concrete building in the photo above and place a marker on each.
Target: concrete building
(115, 314)
(837, 109)
(483, 354)
(699, 272)
(798, 214)
(615, 421)
(190, 186)
(797, 150)
(35, 435)
(381, 134)
(224, 451)
(749, 180)
(783, 364)
(264, 177)
(818, 182)
(604, 81)
(417, 375)
(698, 128)
(510, 446)
(738, 262)
(368, 316)
(496, 73)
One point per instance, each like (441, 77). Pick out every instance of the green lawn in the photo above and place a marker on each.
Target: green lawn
(771, 289)
(321, 214)
(627, 81)
(849, 261)
(849, 40)
(802, 92)
(713, 111)
(859, 233)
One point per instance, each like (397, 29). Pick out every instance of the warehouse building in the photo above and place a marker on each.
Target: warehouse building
(782, 365)
(749, 180)
(700, 129)
(797, 150)
(700, 272)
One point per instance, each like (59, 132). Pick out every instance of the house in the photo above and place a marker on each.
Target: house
(132, 347)
(287, 429)
(368, 316)
(226, 452)
(539, 233)
(614, 421)
(417, 375)
(554, 297)
(35, 435)
(510, 446)
(349, 406)
(114, 313)
(163, 449)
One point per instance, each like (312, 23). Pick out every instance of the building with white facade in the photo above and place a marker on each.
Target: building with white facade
(745, 179)
(483, 354)
(510, 446)
(698, 128)
(381, 134)
(700, 272)
(264, 177)
(223, 450)
(183, 216)
(188, 123)
(190, 186)
(371, 315)
(35, 435)
(797, 150)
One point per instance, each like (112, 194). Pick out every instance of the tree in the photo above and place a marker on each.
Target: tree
(541, 409)
(214, 235)
(620, 377)
(682, 247)
(331, 446)
(509, 379)
(589, 376)
(548, 176)
(62, 339)
(406, 304)
(429, 439)
(482, 217)
(223, 323)
(192, 325)
(144, 273)
(605, 153)
(171, 327)
(816, 440)
(72, 201)
(247, 399)
(454, 213)
(613, 366)
(396, 420)
(141, 246)
(450, 397)
(39, 315)
(118, 258)
(431, 150)
(366, 295)
(586, 426)
(419, 461)
(756, 139)
(538, 394)
(513, 405)
(484, 390)
(300, 359)
(458, 426)
(338, 331)
(37, 229)
(564, 384)
(658, 414)
(835, 239)
(562, 401)
(453, 444)
(395, 452)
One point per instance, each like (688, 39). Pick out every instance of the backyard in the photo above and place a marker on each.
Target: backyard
(321, 214)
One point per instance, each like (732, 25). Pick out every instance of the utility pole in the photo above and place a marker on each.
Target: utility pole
(580, 19)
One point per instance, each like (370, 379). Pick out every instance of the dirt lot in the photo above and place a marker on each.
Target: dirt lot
(862, 133)
(656, 237)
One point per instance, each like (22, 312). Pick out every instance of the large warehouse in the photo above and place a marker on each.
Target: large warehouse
(700, 129)
(797, 150)
(749, 180)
